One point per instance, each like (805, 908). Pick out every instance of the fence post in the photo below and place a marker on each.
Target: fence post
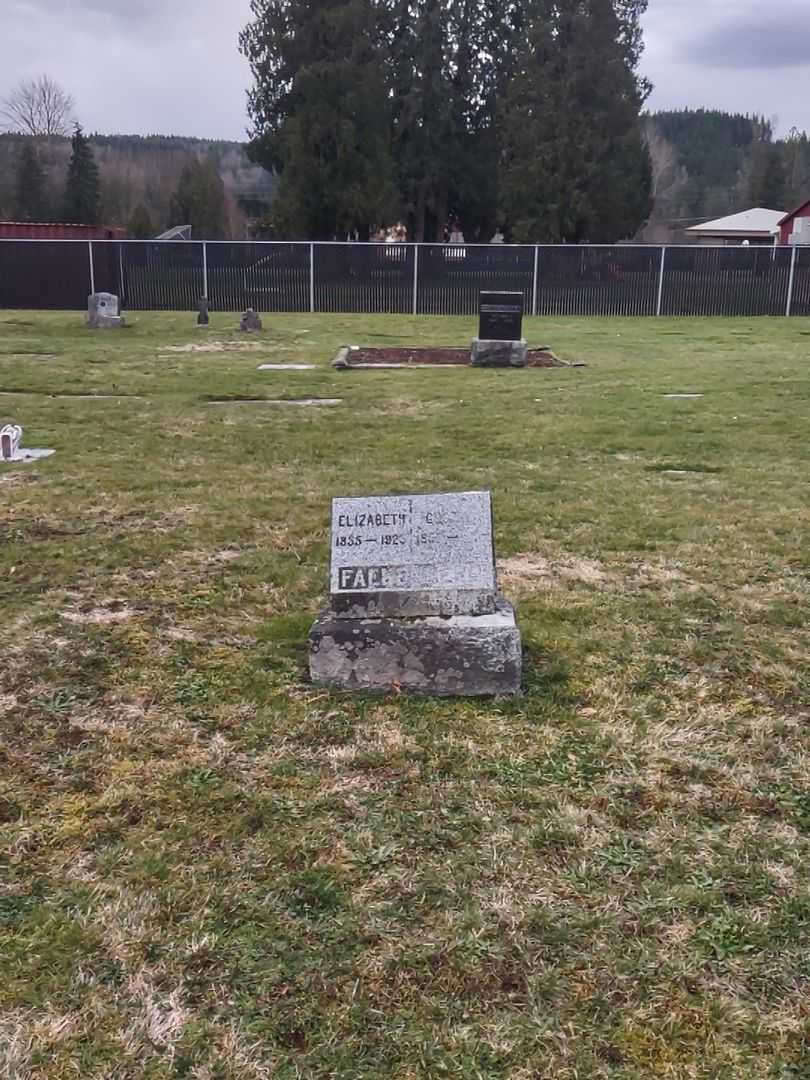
(791, 281)
(312, 278)
(534, 279)
(205, 269)
(121, 289)
(660, 305)
(415, 276)
(92, 271)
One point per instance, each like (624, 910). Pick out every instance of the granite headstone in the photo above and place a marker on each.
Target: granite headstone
(408, 555)
(500, 316)
(500, 340)
(414, 602)
(250, 321)
(102, 311)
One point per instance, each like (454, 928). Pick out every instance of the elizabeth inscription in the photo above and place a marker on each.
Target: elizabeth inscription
(413, 555)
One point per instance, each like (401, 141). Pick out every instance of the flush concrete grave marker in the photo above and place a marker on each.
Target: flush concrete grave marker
(414, 600)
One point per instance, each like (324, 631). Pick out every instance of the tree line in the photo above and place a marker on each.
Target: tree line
(143, 184)
(51, 171)
(709, 163)
(521, 115)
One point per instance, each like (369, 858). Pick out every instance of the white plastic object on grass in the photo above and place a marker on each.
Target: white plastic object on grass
(10, 439)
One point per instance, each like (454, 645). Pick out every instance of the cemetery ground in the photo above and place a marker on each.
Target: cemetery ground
(213, 869)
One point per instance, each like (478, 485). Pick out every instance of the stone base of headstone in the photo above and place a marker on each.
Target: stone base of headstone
(487, 353)
(460, 656)
(106, 322)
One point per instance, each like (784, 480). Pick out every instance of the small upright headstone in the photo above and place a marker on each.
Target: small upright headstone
(10, 439)
(250, 321)
(500, 341)
(102, 311)
(414, 600)
(202, 313)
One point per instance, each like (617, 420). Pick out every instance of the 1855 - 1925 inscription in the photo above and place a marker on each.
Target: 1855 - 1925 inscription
(413, 555)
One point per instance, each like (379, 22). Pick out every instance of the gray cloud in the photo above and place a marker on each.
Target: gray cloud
(173, 66)
(731, 54)
(753, 43)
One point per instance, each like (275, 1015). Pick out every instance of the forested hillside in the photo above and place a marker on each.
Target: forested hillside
(139, 176)
(707, 164)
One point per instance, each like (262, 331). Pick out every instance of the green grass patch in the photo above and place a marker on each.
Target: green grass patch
(210, 868)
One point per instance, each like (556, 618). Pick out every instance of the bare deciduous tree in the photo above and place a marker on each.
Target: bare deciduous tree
(38, 107)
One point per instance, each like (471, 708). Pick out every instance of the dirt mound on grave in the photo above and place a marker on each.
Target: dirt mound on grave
(436, 354)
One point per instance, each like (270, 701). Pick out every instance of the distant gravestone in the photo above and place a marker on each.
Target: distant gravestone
(500, 340)
(250, 321)
(414, 601)
(10, 438)
(102, 311)
(202, 312)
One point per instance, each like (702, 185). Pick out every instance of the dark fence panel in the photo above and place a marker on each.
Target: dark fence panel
(266, 277)
(618, 280)
(726, 281)
(44, 274)
(108, 263)
(442, 279)
(452, 275)
(160, 276)
(801, 283)
(364, 278)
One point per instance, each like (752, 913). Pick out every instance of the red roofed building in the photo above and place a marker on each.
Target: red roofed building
(39, 230)
(795, 228)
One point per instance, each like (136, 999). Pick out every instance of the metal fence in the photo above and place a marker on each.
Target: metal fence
(421, 279)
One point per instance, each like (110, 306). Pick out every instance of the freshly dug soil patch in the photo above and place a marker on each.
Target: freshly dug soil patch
(541, 358)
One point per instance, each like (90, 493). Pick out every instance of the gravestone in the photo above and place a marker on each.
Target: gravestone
(202, 313)
(250, 321)
(102, 311)
(10, 438)
(414, 600)
(500, 341)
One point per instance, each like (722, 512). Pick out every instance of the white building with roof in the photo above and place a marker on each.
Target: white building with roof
(756, 226)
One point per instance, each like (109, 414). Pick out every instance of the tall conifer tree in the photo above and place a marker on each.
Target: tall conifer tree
(575, 164)
(320, 112)
(82, 189)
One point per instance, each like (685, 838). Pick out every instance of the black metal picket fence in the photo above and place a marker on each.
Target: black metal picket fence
(421, 279)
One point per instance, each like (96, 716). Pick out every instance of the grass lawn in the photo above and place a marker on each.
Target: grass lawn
(211, 869)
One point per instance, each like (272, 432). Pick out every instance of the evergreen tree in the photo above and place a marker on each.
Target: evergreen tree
(199, 200)
(574, 161)
(30, 202)
(82, 189)
(448, 63)
(140, 224)
(768, 181)
(320, 114)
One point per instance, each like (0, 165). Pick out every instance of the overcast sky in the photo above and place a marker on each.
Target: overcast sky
(173, 66)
